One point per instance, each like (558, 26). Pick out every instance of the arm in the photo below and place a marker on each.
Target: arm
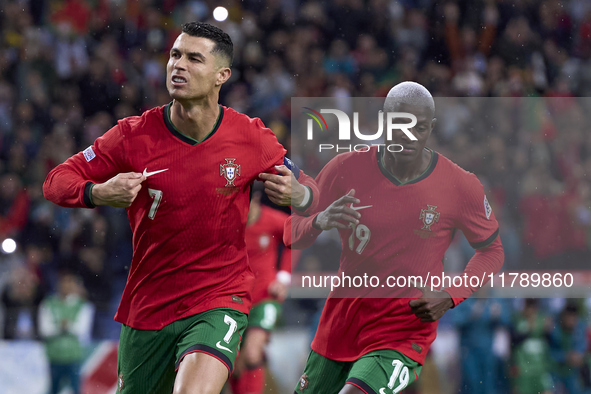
(291, 186)
(484, 262)
(433, 304)
(285, 183)
(95, 176)
(301, 231)
(298, 232)
(478, 223)
(307, 206)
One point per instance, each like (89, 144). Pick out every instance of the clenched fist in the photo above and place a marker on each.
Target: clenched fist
(432, 305)
(119, 191)
(283, 189)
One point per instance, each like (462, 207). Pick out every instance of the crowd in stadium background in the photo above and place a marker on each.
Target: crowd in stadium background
(70, 68)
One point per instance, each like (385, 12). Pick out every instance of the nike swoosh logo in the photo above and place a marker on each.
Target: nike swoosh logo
(147, 174)
(358, 208)
(222, 347)
(382, 391)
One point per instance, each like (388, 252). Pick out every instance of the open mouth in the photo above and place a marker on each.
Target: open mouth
(178, 80)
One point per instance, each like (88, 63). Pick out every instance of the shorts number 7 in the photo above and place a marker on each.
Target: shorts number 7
(232, 330)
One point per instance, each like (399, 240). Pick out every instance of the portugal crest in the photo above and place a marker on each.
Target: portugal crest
(303, 383)
(120, 383)
(230, 171)
(429, 216)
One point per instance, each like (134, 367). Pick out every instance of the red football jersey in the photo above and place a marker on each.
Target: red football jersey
(263, 238)
(404, 230)
(189, 218)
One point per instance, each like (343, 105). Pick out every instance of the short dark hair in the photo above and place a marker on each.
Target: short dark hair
(223, 42)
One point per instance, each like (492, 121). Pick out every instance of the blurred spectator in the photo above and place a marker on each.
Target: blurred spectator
(71, 56)
(531, 363)
(477, 320)
(21, 298)
(339, 59)
(14, 206)
(65, 322)
(568, 343)
(38, 260)
(100, 91)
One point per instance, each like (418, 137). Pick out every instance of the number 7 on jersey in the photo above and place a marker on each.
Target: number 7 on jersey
(157, 197)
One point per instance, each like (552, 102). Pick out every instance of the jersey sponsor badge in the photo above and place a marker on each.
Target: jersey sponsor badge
(230, 171)
(487, 208)
(89, 153)
(416, 347)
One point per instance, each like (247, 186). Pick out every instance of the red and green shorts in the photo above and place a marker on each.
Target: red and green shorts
(383, 371)
(149, 359)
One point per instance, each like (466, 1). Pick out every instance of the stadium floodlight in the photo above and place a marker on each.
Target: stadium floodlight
(8, 246)
(220, 14)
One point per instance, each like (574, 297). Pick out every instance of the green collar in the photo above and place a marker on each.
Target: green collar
(183, 137)
(396, 181)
